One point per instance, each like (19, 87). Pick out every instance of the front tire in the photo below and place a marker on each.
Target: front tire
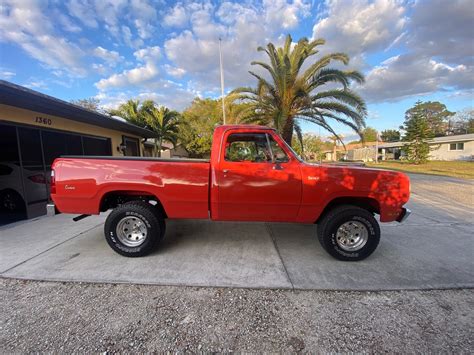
(134, 228)
(349, 233)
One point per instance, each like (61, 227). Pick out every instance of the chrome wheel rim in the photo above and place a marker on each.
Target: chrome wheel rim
(352, 236)
(131, 231)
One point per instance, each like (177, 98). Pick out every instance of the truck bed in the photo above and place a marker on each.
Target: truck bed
(181, 185)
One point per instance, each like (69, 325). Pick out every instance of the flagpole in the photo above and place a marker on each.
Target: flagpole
(222, 79)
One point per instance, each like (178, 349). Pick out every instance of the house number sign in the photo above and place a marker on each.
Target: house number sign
(43, 120)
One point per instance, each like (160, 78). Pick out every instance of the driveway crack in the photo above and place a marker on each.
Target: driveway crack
(272, 236)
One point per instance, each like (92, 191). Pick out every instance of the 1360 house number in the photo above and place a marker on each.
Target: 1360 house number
(43, 120)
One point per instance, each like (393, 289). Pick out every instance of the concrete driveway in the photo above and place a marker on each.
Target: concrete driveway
(432, 249)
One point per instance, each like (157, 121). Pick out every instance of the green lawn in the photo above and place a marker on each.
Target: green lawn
(459, 169)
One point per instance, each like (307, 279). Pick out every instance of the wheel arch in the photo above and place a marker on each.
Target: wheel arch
(367, 203)
(112, 199)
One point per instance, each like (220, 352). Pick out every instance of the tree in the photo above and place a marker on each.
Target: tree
(369, 134)
(462, 122)
(165, 123)
(147, 114)
(418, 132)
(436, 115)
(312, 147)
(200, 120)
(390, 135)
(293, 94)
(134, 112)
(91, 104)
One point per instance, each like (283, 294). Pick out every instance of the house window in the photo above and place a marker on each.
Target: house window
(456, 146)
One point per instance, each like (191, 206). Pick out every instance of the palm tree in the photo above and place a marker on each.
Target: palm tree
(158, 119)
(133, 111)
(293, 94)
(165, 123)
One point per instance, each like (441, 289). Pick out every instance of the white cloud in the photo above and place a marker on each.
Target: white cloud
(242, 26)
(83, 11)
(175, 98)
(145, 16)
(286, 15)
(25, 24)
(128, 39)
(100, 68)
(6, 74)
(116, 17)
(361, 26)
(36, 84)
(136, 76)
(111, 57)
(163, 92)
(438, 55)
(443, 30)
(66, 23)
(176, 17)
(148, 54)
(174, 71)
(435, 55)
(409, 75)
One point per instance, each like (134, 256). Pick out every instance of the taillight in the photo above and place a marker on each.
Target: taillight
(53, 183)
(38, 178)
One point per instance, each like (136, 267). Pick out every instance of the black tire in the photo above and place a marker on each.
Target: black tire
(142, 213)
(11, 202)
(348, 215)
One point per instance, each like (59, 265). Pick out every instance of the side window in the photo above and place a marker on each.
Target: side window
(279, 154)
(247, 147)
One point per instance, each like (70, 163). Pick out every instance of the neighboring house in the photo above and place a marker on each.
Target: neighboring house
(459, 147)
(167, 151)
(360, 151)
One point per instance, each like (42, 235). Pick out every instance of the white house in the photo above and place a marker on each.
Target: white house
(460, 147)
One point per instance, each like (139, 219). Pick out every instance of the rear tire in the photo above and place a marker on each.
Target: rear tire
(134, 228)
(349, 233)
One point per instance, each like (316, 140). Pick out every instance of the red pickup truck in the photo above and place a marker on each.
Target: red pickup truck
(253, 175)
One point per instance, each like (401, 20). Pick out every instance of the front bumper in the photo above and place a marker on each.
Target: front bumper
(404, 215)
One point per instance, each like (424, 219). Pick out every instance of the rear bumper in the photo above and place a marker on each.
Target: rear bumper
(404, 215)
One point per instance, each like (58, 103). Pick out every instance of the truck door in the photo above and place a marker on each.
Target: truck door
(256, 179)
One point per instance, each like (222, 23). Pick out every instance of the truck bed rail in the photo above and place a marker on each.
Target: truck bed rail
(101, 157)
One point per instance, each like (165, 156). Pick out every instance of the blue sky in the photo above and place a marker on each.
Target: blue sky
(168, 51)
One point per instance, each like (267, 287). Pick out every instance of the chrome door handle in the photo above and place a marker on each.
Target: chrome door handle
(225, 171)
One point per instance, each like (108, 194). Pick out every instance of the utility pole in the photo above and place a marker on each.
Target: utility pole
(377, 147)
(222, 79)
